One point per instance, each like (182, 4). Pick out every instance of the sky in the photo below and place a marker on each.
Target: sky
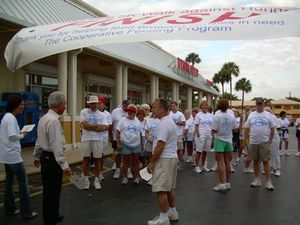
(272, 66)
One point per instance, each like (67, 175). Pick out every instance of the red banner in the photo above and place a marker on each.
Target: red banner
(187, 67)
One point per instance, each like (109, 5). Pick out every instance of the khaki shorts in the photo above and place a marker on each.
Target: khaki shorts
(203, 143)
(260, 152)
(95, 147)
(179, 142)
(164, 175)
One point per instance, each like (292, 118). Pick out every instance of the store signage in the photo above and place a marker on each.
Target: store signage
(244, 23)
(184, 66)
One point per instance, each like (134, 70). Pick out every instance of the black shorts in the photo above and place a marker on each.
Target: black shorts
(114, 145)
(189, 144)
(298, 133)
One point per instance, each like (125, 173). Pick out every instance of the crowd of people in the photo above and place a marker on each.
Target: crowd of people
(159, 136)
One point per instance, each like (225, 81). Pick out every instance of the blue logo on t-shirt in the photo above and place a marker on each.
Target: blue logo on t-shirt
(259, 122)
(132, 128)
(93, 119)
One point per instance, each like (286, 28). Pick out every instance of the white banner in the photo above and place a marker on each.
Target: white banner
(246, 23)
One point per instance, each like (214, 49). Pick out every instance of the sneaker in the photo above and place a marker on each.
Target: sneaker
(214, 168)
(33, 215)
(236, 162)
(114, 167)
(173, 216)
(228, 186)
(281, 153)
(16, 212)
(86, 183)
(297, 154)
(248, 170)
(197, 169)
(220, 188)
(277, 173)
(159, 221)
(256, 183)
(188, 159)
(136, 180)
(269, 186)
(117, 174)
(287, 154)
(180, 167)
(97, 184)
(272, 172)
(129, 174)
(232, 170)
(124, 181)
(263, 172)
(101, 177)
(205, 169)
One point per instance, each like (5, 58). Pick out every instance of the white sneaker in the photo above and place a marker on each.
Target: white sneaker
(231, 169)
(97, 184)
(263, 172)
(256, 183)
(248, 170)
(197, 169)
(281, 153)
(180, 166)
(114, 167)
(269, 186)
(277, 173)
(272, 172)
(287, 154)
(173, 216)
(124, 181)
(159, 221)
(228, 186)
(236, 162)
(214, 168)
(136, 180)
(87, 183)
(188, 159)
(129, 174)
(101, 177)
(205, 169)
(117, 174)
(220, 188)
(297, 154)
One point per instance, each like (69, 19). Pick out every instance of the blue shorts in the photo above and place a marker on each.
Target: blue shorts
(126, 150)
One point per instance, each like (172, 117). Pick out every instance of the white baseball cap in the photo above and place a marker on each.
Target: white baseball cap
(92, 99)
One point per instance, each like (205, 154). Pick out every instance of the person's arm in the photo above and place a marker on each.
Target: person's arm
(197, 130)
(88, 126)
(271, 135)
(16, 137)
(148, 138)
(246, 130)
(180, 123)
(157, 152)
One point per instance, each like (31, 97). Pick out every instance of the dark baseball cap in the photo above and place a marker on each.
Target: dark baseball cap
(259, 101)
(126, 102)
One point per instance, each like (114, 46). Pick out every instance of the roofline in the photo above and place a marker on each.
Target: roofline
(87, 7)
(15, 20)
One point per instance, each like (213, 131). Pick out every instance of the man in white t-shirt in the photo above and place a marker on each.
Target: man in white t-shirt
(179, 121)
(261, 129)
(93, 124)
(284, 132)
(163, 164)
(105, 134)
(116, 115)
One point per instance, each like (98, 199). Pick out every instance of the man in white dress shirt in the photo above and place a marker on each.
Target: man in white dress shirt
(49, 153)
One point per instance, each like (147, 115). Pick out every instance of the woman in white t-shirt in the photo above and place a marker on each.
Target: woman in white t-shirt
(129, 142)
(141, 117)
(10, 155)
(297, 124)
(189, 134)
(284, 133)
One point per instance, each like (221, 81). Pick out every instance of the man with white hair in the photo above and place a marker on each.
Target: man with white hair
(49, 153)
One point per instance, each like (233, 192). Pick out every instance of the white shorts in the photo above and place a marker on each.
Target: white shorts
(105, 145)
(203, 143)
(95, 147)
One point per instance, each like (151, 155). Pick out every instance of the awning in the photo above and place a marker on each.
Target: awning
(246, 23)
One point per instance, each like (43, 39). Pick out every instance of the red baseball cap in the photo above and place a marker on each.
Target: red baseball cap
(101, 99)
(131, 108)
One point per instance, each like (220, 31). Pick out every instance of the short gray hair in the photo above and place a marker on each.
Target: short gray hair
(55, 98)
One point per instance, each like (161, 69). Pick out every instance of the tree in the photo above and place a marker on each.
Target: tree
(221, 78)
(193, 58)
(245, 86)
(293, 99)
(216, 88)
(231, 69)
(230, 96)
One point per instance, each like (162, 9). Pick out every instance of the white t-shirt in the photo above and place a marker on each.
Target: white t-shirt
(284, 123)
(190, 125)
(205, 122)
(10, 151)
(116, 115)
(224, 123)
(237, 122)
(152, 126)
(130, 132)
(276, 126)
(178, 116)
(228, 111)
(143, 126)
(260, 125)
(96, 118)
(109, 122)
(167, 132)
(297, 123)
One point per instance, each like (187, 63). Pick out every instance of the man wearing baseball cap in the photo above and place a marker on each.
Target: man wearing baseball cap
(261, 129)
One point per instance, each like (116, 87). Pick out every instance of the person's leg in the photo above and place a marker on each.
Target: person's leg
(227, 159)
(198, 156)
(256, 168)
(172, 198)
(267, 170)
(9, 199)
(286, 144)
(163, 202)
(126, 163)
(85, 166)
(25, 203)
(280, 144)
(203, 159)
(135, 164)
(219, 158)
(97, 167)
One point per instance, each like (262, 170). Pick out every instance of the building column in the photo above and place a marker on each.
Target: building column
(152, 88)
(63, 72)
(174, 91)
(157, 87)
(144, 96)
(118, 90)
(200, 96)
(209, 100)
(125, 82)
(189, 98)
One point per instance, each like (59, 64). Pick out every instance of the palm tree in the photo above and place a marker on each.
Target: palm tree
(193, 58)
(216, 88)
(232, 70)
(245, 86)
(221, 78)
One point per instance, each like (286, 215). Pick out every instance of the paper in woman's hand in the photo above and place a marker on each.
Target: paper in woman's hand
(27, 128)
(145, 175)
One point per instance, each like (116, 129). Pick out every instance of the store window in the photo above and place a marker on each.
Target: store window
(42, 85)
(98, 90)
(135, 97)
